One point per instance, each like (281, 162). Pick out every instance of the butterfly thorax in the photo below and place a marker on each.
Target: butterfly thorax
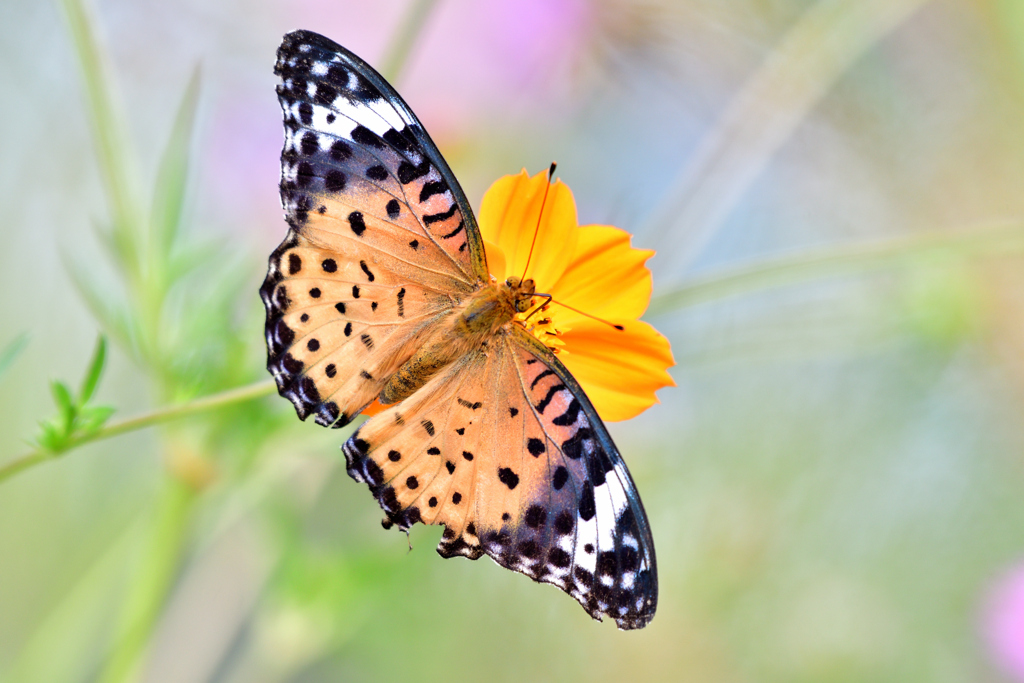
(472, 322)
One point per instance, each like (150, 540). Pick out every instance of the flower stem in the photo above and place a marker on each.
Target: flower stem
(397, 54)
(161, 415)
(1001, 238)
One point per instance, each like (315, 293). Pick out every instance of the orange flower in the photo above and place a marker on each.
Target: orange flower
(591, 268)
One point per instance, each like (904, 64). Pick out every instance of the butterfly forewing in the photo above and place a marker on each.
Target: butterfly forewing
(507, 453)
(381, 242)
(350, 136)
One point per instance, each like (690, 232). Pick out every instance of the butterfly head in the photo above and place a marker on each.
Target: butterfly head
(521, 292)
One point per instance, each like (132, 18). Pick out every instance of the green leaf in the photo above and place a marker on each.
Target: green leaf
(12, 351)
(92, 418)
(172, 176)
(65, 404)
(92, 375)
(51, 437)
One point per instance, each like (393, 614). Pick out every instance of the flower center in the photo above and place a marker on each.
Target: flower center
(542, 324)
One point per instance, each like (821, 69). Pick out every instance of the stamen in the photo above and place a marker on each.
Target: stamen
(529, 256)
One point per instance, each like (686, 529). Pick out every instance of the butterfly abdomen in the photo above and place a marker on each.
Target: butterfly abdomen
(481, 316)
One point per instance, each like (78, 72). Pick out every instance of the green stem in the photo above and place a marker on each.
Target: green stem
(161, 415)
(397, 54)
(152, 582)
(842, 260)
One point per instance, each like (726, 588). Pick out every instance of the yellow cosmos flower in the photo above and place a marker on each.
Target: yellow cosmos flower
(590, 268)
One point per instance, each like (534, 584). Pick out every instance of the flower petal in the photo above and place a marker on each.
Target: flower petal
(510, 217)
(495, 260)
(606, 277)
(619, 370)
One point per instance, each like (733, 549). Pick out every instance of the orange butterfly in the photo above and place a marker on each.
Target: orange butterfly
(381, 293)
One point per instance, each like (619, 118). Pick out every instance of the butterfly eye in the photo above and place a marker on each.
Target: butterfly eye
(513, 281)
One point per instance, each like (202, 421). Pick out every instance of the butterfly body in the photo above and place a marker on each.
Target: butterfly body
(381, 291)
(471, 324)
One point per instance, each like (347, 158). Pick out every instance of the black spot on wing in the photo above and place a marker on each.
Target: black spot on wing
(357, 223)
(365, 136)
(334, 181)
(431, 188)
(587, 506)
(507, 477)
(340, 150)
(547, 398)
(560, 478)
(535, 517)
(431, 218)
(309, 144)
(575, 446)
(408, 173)
(457, 229)
(569, 416)
(538, 378)
(377, 172)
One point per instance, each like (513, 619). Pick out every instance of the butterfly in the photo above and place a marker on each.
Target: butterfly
(381, 292)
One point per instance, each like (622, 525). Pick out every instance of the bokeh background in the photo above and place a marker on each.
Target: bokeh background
(836, 487)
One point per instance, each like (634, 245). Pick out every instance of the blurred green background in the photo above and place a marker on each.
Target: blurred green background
(836, 193)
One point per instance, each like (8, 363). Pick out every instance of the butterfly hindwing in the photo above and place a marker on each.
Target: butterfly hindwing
(506, 451)
(382, 242)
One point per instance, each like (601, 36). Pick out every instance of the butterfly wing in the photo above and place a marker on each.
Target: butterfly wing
(382, 241)
(505, 450)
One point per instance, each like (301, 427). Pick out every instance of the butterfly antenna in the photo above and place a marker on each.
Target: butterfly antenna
(529, 256)
(620, 328)
(551, 300)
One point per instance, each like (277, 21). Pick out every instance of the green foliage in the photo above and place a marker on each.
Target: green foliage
(76, 418)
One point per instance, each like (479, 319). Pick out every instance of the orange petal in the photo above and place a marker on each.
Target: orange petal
(606, 277)
(619, 370)
(495, 260)
(510, 217)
